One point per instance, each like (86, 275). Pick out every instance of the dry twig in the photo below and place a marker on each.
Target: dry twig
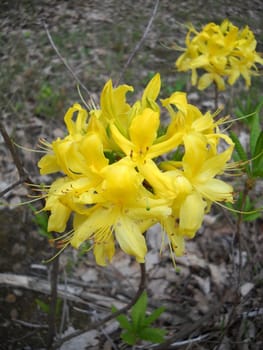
(110, 316)
(139, 44)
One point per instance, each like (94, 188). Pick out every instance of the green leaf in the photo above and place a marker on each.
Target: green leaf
(238, 147)
(129, 338)
(43, 306)
(41, 220)
(154, 315)
(154, 335)
(255, 129)
(251, 216)
(257, 162)
(123, 320)
(138, 310)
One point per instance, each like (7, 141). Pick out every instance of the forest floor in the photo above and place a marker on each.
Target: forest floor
(213, 300)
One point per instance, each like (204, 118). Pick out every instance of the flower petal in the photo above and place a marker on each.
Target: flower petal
(130, 238)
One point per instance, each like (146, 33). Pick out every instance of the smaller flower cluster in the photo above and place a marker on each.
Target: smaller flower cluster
(223, 52)
(119, 174)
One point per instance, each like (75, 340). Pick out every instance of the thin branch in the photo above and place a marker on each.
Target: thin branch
(13, 152)
(63, 60)
(139, 44)
(53, 302)
(98, 324)
(21, 171)
(30, 325)
(11, 187)
(187, 331)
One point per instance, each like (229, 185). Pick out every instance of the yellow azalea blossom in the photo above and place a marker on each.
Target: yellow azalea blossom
(58, 155)
(114, 106)
(188, 119)
(190, 185)
(223, 52)
(122, 205)
(143, 142)
(200, 166)
(111, 184)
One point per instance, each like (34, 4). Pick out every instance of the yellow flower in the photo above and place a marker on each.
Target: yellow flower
(61, 151)
(222, 51)
(112, 184)
(190, 186)
(123, 208)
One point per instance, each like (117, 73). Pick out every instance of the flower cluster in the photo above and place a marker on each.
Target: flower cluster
(119, 174)
(223, 52)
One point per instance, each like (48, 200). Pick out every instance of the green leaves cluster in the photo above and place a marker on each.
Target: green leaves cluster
(41, 221)
(138, 326)
(252, 161)
(254, 168)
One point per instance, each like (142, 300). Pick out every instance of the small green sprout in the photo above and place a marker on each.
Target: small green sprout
(138, 326)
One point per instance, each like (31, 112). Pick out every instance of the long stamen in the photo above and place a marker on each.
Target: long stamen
(103, 234)
(29, 202)
(57, 254)
(90, 105)
(237, 119)
(28, 149)
(44, 144)
(172, 253)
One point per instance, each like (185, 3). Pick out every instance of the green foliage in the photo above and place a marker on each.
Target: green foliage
(138, 326)
(48, 101)
(41, 221)
(253, 168)
(45, 307)
(84, 248)
(245, 204)
(251, 162)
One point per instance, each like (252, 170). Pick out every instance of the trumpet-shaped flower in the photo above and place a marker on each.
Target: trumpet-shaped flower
(222, 51)
(124, 208)
(112, 183)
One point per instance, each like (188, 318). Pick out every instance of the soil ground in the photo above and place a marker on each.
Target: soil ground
(96, 38)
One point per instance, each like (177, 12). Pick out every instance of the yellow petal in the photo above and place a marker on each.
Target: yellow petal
(143, 129)
(92, 150)
(191, 214)
(113, 102)
(48, 164)
(216, 190)
(78, 126)
(59, 217)
(96, 226)
(151, 91)
(178, 99)
(205, 80)
(104, 251)
(130, 238)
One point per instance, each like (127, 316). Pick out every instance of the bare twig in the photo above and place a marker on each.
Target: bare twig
(110, 316)
(139, 44)
(53, 302)
(65, 312)
(11, 187)
(21, 171)
(63, 60)
(187, 331)
(30, 325)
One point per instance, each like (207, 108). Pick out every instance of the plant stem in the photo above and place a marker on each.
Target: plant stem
(216, 97)
(53, 302)
(21, 171)
(140, 290)
(139, 44)
(238, 235)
